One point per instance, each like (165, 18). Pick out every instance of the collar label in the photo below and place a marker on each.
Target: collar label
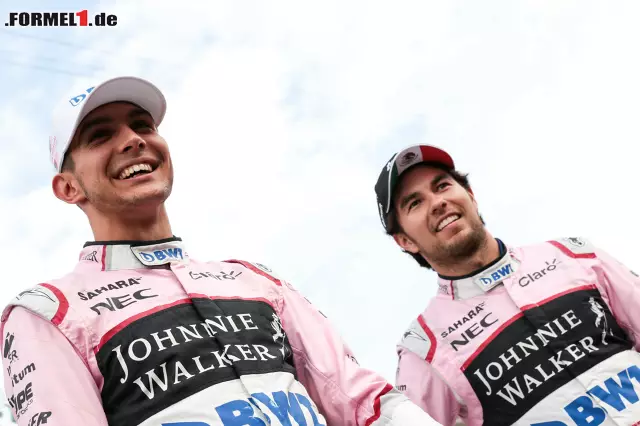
(160, 254)
(496, 274)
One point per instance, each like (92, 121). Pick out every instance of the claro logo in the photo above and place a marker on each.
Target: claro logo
(535, 276)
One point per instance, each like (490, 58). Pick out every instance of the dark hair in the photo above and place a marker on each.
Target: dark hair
(67, 163)
(393, 226)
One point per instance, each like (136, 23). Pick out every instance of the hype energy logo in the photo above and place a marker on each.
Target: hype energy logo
(61, 19)
(159, 255)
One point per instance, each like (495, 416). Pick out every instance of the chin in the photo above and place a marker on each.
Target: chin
(468, 237)
(458, 232)
(147, 196)
(460, 236)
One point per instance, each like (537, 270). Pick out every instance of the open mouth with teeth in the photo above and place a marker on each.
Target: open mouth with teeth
(448, 220)
(135, 170)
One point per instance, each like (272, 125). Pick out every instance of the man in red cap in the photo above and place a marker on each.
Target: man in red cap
(545, 334)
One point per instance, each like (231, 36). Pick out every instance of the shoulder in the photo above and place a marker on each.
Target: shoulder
(268, 273)
(575, 247)
(419, 339)
(45, 300)
(259, 269)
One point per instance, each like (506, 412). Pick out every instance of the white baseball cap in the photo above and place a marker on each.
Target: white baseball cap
(78, 104)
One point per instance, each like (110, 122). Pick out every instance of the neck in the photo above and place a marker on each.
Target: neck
(487, 252)
(154, 226)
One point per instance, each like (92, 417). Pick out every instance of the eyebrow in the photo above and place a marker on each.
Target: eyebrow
(413, 195)
(138, 111)
(407, 198)
(439, 178)
(86, 126)
(135, 112)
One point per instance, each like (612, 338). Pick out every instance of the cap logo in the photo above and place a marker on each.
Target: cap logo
(389, 165)
(53, 142)
(576, 241)
(381, 211)
(77, 100)
(407, 158)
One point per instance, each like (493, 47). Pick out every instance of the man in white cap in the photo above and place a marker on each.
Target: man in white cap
(139, 333)
(122, 193)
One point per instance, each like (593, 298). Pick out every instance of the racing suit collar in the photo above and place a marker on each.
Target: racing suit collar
(116, 255)
(481, 280)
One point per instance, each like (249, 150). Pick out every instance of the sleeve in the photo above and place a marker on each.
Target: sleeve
(45, 380)
(418, 380)
(622, 287)
(619, 286)
(347, 393)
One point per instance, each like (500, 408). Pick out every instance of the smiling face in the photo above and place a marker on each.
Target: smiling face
(438, 217)
(117, 161)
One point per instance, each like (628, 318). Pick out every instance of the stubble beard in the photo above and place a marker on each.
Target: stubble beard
(461, 248)
(109, 201)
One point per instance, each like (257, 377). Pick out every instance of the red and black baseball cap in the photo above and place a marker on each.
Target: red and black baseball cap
(398, 164)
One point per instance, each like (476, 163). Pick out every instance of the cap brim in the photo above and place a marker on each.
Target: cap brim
(432, 154)
(125, 89)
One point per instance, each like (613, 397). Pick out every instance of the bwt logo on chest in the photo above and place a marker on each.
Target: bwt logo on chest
(498, 275)
(162, 255)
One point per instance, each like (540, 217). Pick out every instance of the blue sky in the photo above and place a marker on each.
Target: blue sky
(281, 116)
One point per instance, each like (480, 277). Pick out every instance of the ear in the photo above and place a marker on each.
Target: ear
(473, 198)
(67, 188)
(405, 242)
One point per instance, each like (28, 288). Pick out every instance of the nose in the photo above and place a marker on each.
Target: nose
(438, 204)
(131, 141)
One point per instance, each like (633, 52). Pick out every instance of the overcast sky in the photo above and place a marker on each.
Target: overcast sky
(281, 115)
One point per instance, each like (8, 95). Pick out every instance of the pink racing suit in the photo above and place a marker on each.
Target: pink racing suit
(142, 334)
(545, 335)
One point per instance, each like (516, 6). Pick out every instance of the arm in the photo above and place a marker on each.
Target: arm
(622, 288)
(45, 380)
(347, 394)
(417, 379)
(618, 285)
